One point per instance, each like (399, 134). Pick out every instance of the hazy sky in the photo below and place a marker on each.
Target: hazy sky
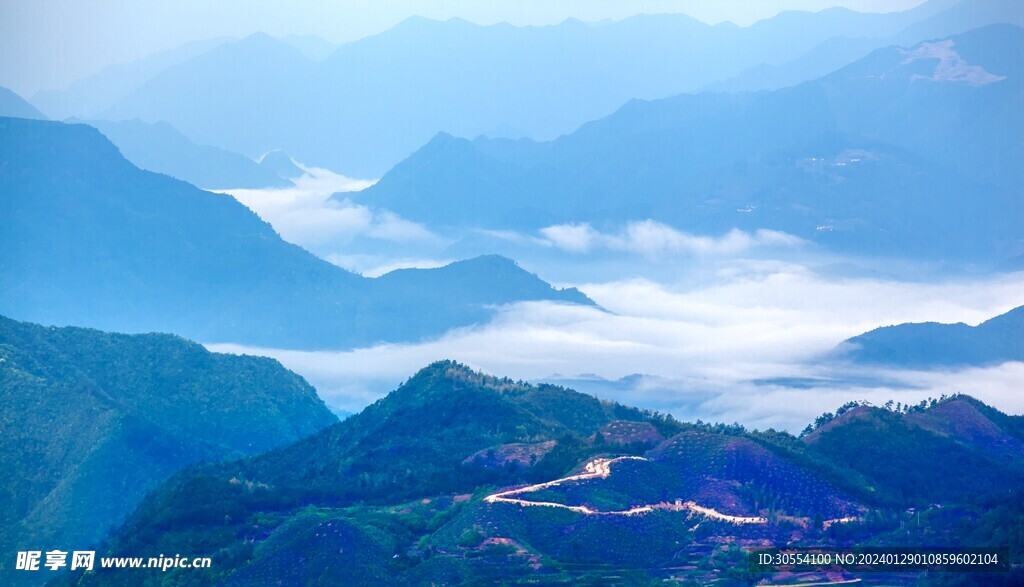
(47, 44)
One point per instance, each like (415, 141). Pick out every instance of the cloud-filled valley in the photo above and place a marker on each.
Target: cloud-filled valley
(726, 348)
(725, 327)
(333, 229)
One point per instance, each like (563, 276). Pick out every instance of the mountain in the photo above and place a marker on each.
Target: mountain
(159, 147)
(280, 164)
(339, 112)
(89, 239)
(92, 421)
(460, 477)
(94, 93)
(960, 17)
(889, 155)
(15, 106)
(974, 451)
(931, 344)
(216, 98)
(841, 50)
(313, 47)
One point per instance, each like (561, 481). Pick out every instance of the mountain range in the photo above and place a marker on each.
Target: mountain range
(89, 239)
(887, 156)
(931, 344)
(339, 112)
(91, 421)
(834, 53)
(893, 141)
(460, 477)
(87, 96)
(161, 148)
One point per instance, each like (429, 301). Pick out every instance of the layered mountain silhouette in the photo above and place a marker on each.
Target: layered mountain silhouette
(843, 49)
(159, 147)
(892, 139)
(932, 344)
(89, 239)
(460, 477)
(92, 421)
(96, 92)
(889, 155)
(339, 112)
(13, 105)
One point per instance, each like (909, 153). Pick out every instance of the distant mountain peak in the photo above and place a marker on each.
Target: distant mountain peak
(11, 104)
(260, 38)
(451, 371)
(281, 163)
(491, 260)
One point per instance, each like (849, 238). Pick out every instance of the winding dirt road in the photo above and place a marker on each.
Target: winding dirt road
(602, 469)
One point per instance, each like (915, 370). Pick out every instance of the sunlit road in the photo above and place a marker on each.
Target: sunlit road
(602, 469)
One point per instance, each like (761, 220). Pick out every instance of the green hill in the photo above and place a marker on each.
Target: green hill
(952, 452)
(91, 421)
(421, 487)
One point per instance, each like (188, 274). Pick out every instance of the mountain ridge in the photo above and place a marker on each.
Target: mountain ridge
(680, 54)
(874, 165)
(160, 148)
(13, 105)
(99, 242)
(933, 344)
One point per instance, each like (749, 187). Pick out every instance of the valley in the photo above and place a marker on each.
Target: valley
(529, 293)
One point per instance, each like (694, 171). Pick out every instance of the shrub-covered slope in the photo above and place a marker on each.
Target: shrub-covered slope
(91, 421)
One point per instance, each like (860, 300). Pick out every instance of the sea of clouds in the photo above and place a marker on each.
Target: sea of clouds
(726, 349)
(738, 327)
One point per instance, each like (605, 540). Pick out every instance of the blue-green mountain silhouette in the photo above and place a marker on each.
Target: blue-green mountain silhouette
(159, 147)
(342, 112)
(91, 421)
(891, 155)
(13, 105)
(89, 239)
(933, 344)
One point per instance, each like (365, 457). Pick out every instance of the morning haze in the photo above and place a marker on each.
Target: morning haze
(510, 292)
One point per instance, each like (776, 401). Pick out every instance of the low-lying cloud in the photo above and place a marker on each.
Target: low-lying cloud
(307, 215)
(655, 239)
(714, 351)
